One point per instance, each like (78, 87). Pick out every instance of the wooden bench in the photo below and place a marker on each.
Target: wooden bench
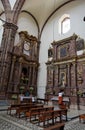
(16, 106)
(58, 126)
(34, 112)
(64, 113)
(23, 109)
(82, 117)
(52, 115)
(45, 117)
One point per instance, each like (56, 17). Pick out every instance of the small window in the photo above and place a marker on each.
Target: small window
(64, 24)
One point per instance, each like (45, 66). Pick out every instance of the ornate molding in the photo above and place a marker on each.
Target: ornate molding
(10, 25)
(66, 40)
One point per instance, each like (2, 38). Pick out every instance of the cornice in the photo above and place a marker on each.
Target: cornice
(66, 40)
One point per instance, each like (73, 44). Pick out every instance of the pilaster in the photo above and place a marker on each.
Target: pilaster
(6, 53)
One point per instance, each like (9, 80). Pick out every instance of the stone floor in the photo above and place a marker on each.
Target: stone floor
(12, 123)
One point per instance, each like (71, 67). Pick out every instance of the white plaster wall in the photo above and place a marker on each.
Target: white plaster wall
(51, 32)
(46, 39)
(26, 23)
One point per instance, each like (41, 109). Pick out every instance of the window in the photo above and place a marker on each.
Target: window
(64, 24)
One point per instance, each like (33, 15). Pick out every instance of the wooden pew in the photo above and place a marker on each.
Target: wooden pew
(13, 107)
(34, 112)
(16, 106)
(52, 115)
(60, 113)
(58, 126)
(64, 113)
(45, 117)
(24, 109)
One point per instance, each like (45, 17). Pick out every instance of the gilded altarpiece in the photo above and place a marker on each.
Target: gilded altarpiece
(24, 65)
(67, 69)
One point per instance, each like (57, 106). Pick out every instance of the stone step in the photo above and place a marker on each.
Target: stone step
(4, 103)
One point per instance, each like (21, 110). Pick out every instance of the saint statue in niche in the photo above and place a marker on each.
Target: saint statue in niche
(63, 79)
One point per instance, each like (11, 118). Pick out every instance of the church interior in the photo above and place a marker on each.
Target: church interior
(42, 65)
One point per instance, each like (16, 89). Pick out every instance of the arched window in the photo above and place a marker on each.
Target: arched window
(64, 24)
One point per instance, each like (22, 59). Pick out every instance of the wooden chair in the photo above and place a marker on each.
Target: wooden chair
(82, 117)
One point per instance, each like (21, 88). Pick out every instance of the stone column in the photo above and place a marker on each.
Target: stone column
(76, 86)
(55, 53)
(75, 71)
(33, 80)
(38, 49)
(30, 71)
(11, 74)
(69, 76)
(20, 67)
(12, 68)
(6, 50)
(58, 74)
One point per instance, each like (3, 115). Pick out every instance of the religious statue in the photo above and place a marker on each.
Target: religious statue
(63, 79)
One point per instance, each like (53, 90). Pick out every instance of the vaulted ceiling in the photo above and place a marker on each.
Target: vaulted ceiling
(40, 9)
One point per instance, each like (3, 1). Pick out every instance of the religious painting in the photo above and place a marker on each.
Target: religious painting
(63, 51)
(79, 44)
